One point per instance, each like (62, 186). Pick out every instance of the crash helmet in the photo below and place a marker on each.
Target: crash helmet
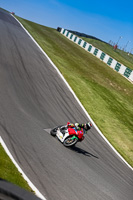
(87, 126)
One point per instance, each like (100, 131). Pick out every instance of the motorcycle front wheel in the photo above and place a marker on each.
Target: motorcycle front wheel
(70, 141)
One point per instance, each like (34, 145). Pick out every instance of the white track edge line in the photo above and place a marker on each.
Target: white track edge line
(76, 98)
(21, 171)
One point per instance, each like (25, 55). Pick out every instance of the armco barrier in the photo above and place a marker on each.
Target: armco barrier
(118, 67)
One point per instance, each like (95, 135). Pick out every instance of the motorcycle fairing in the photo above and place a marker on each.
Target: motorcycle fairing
(74, 131)
(60, 136)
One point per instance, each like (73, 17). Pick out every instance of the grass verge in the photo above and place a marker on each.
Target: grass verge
(119, 55)
(105, 94)
(9, 172)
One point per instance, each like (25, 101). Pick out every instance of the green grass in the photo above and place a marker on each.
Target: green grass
(105, 94)
(9, 172)
(117, 54)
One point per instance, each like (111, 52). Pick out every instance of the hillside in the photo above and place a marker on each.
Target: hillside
(117, 54)
(104, 93)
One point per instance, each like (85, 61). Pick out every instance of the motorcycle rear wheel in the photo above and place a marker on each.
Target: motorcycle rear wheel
(68, 142)
(54, 131)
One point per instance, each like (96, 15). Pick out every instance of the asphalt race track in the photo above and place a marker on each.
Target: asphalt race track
(33, 99)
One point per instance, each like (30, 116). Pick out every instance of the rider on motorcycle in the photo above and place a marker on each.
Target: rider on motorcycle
(78, 126)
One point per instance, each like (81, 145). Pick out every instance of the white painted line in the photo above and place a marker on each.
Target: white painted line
(21, 171)
(77, 98)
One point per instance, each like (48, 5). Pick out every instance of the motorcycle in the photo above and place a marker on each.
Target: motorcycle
(68, 136)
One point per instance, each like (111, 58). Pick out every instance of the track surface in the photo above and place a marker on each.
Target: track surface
(33, 97)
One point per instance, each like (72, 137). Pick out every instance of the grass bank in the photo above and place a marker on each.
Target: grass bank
(117, 54)
(105, 94)
(9, 172)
